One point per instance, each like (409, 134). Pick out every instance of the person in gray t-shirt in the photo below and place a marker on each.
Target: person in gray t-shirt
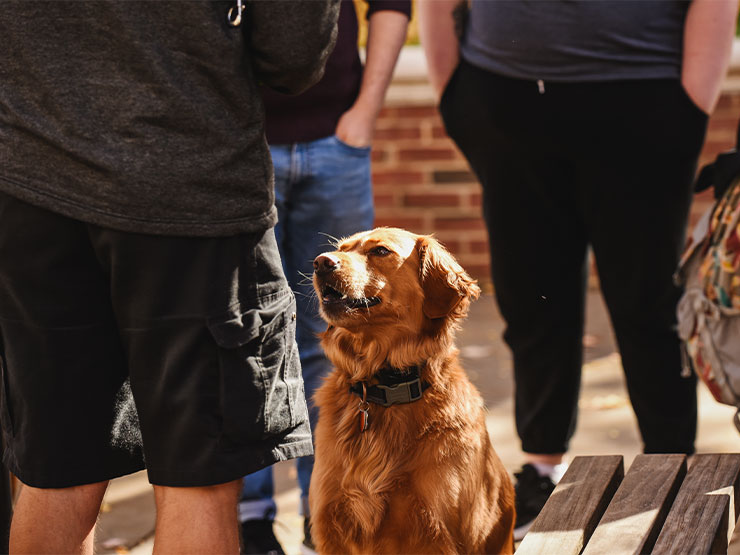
(583, 121)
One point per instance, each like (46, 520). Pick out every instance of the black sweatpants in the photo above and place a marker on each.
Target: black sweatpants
(565, 166)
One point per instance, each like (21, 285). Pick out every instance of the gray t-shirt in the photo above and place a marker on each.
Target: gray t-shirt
(576, 40)
(145, 116)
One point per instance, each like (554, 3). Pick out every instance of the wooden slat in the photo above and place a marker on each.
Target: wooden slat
(570, 515)
(633, 520)
(699, 520)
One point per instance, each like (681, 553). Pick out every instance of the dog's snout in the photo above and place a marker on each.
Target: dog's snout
(325, 263)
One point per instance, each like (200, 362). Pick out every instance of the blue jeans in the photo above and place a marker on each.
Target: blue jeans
(322, 192)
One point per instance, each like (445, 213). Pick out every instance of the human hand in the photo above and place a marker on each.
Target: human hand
(356, 126)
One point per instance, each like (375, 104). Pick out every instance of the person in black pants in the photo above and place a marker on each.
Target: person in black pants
(584, 122)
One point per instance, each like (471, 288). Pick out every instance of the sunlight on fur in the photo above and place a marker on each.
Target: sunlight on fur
(423, 477)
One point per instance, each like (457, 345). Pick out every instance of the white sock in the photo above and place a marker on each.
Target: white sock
(552, 471)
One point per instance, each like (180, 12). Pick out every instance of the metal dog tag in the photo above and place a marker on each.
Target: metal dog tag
(364, 409)
(364, 420)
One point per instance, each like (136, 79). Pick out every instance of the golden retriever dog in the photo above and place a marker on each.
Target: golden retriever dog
(404, 463)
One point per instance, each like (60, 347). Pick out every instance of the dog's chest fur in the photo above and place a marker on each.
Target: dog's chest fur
(380, 484)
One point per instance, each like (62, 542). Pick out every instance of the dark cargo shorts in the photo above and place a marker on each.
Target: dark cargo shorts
(117, 348)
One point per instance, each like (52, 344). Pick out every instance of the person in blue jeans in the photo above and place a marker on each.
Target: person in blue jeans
(320, 146)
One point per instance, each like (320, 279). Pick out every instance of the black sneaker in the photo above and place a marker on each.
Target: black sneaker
(532, 491)
(307, 547)
(258, 538)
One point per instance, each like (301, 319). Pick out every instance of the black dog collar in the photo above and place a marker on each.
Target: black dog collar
(395, 387)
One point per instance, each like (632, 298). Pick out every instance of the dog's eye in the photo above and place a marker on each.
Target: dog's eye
(380, 251)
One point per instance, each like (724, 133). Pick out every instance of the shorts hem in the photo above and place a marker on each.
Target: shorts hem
(249, 462)
(41, 480)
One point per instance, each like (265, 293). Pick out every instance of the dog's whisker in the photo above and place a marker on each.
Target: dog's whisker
(333, 241)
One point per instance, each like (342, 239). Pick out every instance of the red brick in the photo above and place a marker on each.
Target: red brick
(384, 200)
(393, 133)
(413, 154)
(414, 225)
(453, 176)
(720, 124)
(386, 113)
(416, 111)
(455, 247)
(479, 247)
(713, 143)
(713, 148)
(397, 177)
(378, 155)
(439, 132)
(726, 114)
(458, 223)
(432, 200)
(723, 141)
(728, 100)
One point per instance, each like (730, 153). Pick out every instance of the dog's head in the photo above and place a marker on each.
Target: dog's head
(392, 278)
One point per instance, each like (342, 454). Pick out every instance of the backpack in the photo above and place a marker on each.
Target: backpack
(709, 310)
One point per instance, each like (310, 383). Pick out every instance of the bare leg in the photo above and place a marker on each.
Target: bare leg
(56, 520)
(197, 520)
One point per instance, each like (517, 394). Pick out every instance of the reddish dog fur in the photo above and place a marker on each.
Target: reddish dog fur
(424, 477)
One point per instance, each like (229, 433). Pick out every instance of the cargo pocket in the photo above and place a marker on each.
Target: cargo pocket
(261, 382)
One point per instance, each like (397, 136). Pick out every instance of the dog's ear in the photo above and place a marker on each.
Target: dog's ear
(448, 289)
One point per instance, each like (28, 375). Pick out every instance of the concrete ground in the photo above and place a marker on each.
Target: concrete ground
(606, 426)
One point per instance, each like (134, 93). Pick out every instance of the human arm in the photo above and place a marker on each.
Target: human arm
(386, 35)
(441, 44)
(707, 44)
(290, 41)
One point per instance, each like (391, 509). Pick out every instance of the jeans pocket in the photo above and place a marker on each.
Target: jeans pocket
(356, 150)
(261, 383)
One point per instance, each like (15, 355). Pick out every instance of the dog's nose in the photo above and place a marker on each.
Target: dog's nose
(325, 263)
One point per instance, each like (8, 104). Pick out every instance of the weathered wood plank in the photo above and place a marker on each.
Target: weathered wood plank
(634, 517)
(570, 515)
(699, 520)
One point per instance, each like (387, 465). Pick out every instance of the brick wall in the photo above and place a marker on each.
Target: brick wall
(423, 183)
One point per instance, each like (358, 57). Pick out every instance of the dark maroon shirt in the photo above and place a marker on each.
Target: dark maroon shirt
(315, 113)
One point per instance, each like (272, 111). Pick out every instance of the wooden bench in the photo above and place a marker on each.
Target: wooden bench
(658, 507)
